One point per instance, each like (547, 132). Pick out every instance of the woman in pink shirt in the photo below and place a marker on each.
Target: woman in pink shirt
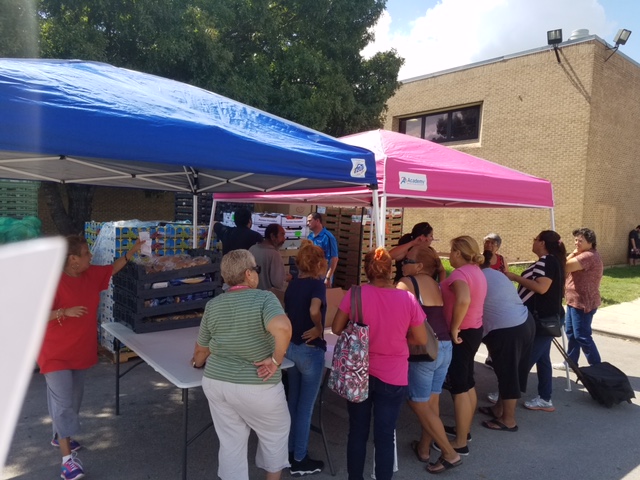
(394, 317)
(463, 293)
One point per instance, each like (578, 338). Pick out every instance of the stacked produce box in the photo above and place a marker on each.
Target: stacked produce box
(352, 228)
(18, 199)
(111, 240)
(164, 293)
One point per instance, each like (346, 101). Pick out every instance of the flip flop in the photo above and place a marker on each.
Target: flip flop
(501, 426)
(487, 411)
(464, 451)
(414, 447)
(445, 466)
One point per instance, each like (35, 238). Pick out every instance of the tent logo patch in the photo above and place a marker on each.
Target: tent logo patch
(413, 181)
(359, 168)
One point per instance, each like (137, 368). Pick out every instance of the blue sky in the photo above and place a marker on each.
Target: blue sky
(434, 35)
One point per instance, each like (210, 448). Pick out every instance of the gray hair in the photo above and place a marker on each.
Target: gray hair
(234, 265)
(494, 237)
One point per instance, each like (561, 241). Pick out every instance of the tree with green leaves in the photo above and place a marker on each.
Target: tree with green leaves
(298, 59)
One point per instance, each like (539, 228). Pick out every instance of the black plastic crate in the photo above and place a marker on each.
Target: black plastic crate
(145, 290)
(138, 272)
(141, 302)
(214, 255)
(141, 324)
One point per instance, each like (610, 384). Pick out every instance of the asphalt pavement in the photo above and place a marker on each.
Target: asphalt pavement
(580, 440)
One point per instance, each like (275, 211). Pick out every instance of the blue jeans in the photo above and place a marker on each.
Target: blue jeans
(541, 358)
(578, 328)
(385, 401)
(304, 382)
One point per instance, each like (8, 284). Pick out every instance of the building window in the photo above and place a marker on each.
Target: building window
(441, 127)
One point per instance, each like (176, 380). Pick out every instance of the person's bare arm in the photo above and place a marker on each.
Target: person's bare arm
(280, 328)
(331, 271)
(400, 251)
(461, 306)
(339, 322)
(417, 335)
(573, 264)
(122, 261)
(315, 312)
(200, 355)
(540, 285)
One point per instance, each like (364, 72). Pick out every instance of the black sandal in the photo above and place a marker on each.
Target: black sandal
(445, 465)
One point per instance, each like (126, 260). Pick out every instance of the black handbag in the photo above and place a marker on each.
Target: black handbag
(550, 326)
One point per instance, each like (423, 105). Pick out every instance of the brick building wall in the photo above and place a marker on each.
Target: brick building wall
(112, 204)
(568, 122)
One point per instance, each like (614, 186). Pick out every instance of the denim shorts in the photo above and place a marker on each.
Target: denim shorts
(426, 378)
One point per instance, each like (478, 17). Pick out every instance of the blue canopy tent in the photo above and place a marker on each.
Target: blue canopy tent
(71, 121)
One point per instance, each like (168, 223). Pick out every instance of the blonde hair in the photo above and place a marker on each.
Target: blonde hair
(234, 265)
(377, 264)
(311, 260)
(428, 257)
(468, 249)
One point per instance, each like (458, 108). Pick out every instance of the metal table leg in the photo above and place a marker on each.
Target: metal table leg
(320, 429)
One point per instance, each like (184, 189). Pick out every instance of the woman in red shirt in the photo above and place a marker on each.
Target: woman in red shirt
(70, 344)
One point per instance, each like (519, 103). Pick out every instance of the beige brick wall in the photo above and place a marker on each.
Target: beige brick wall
(112, 204)
(612, 187)
(563, 122)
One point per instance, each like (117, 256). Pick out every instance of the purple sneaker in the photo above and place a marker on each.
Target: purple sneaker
(72, 469)
(75, 446)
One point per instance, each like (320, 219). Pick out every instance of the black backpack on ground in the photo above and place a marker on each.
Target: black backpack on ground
(608, 385)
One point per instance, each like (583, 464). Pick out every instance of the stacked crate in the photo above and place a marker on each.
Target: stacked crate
(184, 207)
(149, 302)
(111, 240)
(346, 225)
(18, 199)
(352, 229)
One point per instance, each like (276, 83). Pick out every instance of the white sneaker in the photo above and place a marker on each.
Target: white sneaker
(559, 366)
(539, 404)
(493, 397)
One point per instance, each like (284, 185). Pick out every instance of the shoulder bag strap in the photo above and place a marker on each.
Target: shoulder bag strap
(356, 304)
(416, 288)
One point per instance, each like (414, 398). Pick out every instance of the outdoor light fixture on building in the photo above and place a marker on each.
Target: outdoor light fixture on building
(620, 39)
(622, 36)
(554, 37)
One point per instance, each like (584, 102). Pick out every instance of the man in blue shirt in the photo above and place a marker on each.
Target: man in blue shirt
(323, 238)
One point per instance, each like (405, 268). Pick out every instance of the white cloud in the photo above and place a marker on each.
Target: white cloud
(459, 32)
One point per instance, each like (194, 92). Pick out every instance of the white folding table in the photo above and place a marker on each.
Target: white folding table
(169, 353)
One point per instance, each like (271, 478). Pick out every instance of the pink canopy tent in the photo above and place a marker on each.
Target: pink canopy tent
(418, 173)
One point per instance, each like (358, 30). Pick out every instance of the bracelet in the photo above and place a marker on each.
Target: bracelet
(125, 256)
(60, 315)
(274, 361)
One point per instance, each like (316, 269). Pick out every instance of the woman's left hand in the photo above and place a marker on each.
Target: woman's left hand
(266, 369)
(77, 311)
(455, 338)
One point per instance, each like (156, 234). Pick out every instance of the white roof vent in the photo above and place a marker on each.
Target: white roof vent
(580, 33)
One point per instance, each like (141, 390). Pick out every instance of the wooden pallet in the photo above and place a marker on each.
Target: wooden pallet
(125, 355)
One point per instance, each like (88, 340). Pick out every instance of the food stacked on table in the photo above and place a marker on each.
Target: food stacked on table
(164, 293)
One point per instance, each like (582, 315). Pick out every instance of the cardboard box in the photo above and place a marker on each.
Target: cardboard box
(334, 297)
(293, 221)
(264, 219)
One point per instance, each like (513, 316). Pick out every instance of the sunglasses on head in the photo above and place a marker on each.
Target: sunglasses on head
(408, 261)
(256, 269)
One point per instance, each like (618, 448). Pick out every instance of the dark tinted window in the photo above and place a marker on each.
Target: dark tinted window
(451, 126)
